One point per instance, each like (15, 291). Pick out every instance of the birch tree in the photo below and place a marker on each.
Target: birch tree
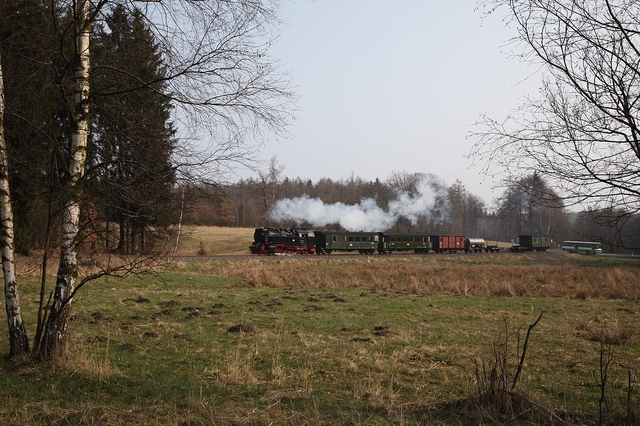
(55, 335)
(18, 339)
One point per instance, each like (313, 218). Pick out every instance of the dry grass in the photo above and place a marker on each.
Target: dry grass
(441, 275)
(89, 365)
(214, 240)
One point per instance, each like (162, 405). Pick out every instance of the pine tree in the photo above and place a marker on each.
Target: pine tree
(132, 135)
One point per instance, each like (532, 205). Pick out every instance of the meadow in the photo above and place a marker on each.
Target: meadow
(368, 340)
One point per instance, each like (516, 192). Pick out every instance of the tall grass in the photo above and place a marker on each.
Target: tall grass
(440, 275)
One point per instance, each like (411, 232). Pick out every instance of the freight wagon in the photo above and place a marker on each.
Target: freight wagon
(447, 243)
(474, 245)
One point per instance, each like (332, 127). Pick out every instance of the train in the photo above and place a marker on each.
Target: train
(278, 241)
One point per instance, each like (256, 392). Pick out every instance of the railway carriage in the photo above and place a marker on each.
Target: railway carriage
(531, 243)
(361, 242)
(416, 243)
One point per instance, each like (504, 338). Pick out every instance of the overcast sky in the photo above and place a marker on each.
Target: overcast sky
(394, 86)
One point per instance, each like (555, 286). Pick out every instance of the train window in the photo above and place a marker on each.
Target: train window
(334, 238)
(411, 239)
(405, 239)
(391, 239)
(350, 239)
(357, 239)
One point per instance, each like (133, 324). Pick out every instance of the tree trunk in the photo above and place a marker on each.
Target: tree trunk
(143, 249)
(107, 237)
(55, 338)
(122, 235)
(133, 234)
(18, 339)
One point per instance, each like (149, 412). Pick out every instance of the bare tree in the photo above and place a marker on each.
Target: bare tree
(530, 206)
(267, 185)
(465, 209)
(582, 133)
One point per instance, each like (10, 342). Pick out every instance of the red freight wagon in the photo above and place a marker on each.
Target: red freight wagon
(447, 243)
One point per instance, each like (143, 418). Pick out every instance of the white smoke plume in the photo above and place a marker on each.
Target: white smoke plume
(364, 216)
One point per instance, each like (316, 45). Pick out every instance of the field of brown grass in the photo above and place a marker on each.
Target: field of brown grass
(549, 274)
(214, 240)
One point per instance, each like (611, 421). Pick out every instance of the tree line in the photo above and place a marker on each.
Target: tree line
(527, 206)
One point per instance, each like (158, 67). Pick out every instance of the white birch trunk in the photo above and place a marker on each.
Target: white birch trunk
(55, 338)
(18, 340)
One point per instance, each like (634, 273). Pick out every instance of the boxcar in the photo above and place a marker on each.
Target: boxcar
(403, 242)
(447, 243)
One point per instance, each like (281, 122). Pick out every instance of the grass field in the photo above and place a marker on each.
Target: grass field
(342, 340)
(214, 240)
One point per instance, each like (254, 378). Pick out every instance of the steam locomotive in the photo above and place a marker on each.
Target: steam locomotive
(272, 241)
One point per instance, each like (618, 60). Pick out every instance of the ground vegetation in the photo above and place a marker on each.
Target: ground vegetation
(335, 340)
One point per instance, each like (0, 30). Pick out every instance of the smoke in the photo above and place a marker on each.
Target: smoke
(364, 216)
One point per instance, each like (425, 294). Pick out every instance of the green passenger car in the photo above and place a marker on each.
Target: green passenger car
(361, 242)
(399, 242)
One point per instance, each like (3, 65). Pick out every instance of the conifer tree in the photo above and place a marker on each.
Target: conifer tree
(132, 133)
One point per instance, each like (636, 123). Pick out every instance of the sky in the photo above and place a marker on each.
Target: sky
(394, 86)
